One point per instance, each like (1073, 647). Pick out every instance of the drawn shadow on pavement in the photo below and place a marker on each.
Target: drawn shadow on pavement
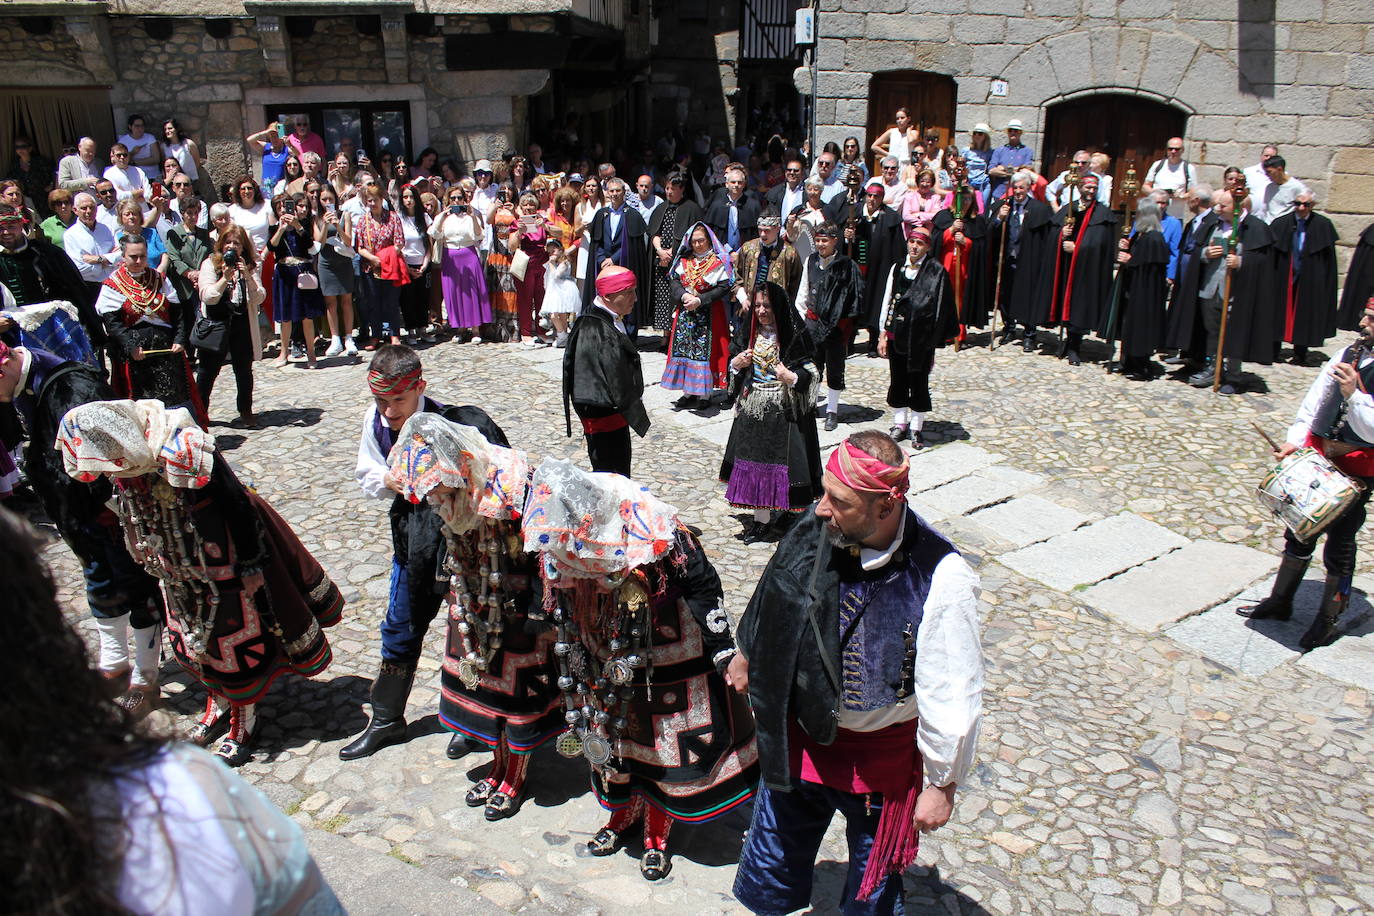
(921, 884)
(1358, 619)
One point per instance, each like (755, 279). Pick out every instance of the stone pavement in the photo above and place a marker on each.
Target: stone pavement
(1143, 750)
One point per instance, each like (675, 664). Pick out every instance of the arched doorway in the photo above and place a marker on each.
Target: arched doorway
(929, 97)
(1130, 129)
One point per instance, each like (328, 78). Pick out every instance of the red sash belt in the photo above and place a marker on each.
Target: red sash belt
(604, 424)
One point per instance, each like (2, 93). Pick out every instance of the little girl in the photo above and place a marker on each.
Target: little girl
(561, 298)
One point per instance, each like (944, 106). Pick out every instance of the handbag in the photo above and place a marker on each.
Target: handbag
(519, 263)
(307, 280)
(210, 335)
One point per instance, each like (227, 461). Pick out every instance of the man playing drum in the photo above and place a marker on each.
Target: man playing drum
(1337, 419)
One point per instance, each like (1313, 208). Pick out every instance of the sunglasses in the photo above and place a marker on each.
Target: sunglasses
(106, 191)
(1175, 149)
(1302, 203)
(121, 155)
(181, 184)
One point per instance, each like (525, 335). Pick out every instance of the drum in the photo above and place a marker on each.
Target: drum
(1307, 493)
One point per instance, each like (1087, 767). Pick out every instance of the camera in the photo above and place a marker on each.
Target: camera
(288, 206)
(231, 258)
(458, 208)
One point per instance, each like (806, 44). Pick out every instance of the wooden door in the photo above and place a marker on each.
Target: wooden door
(1132, 130)
(929, 97)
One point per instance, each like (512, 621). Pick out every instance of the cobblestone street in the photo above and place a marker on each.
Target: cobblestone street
(1142, 750)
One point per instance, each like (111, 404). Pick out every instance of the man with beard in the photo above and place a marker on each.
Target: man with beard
(1252, 310)
(620, 238)
(830, 297)
(864, 615)
(1305, 249)
(1184, 331)
(767, 259)
(1083, 274)
(875, 243)
(1025, 227)
(1337, 419)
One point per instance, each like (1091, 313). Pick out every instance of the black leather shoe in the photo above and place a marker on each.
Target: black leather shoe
(655, 864)
(604, 843)
(1073, 358)
(378, 734)
(459, 746)
(898, 433)
(501, 806)
(831, 422)
(1028, 343)
(479, 794)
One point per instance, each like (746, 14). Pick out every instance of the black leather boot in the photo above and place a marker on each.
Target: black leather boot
(1279, 604)
(1335, 599)
(390, 689)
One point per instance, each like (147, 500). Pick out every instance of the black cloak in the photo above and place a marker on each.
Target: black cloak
(924, 318)
(1028, 282)
(1083, 279)
(1359, 282)
(601, 372)
(41, 272)
(1306, 312)
(878, 244)
(838, 294)
(688, 215)
(1184, 330)
(1144, 290)
(633, 253)
(982, 255)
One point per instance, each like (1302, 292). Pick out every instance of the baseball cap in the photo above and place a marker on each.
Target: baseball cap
(483, 165)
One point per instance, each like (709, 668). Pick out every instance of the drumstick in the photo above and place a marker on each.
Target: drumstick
(1273, 446)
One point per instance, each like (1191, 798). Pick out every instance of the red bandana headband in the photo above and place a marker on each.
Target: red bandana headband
(397, 384)
(8, 218)
(613, 280)
(865, 474)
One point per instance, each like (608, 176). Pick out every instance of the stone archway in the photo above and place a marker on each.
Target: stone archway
(1130, 128)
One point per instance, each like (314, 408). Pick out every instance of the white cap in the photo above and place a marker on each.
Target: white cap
(981, 128)
(483, 165)
(1014, 124)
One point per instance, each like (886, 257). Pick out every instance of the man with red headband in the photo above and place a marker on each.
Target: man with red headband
(602, 379)
(860, 653)
(396, 381)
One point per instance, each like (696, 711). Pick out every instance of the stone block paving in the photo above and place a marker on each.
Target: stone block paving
(1191, 767)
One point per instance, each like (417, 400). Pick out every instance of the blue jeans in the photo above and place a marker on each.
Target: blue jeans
(779, 857)
(405, 624)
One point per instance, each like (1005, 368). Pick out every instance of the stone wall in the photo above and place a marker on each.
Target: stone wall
(56, 55)
(1313, 94)
(337, 53)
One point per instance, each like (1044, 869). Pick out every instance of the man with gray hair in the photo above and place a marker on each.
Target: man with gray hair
(894, 189)
(620, 238)
(1305, 252)
(79, 172)
(1183, 330)
(1172, 228)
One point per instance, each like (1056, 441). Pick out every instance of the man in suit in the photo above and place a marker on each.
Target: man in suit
(1184, 331)
(620, 238)
(789, 195)
(734, 213)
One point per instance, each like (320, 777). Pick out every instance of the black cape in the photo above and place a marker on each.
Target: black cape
(688, 215)
(1309, 305)
(635, 257)
(1143, 292)
(601, 372)
(1359, 282)
(1083, 283)
(982, 256)
(878, 244)
(1255, 319)
(838, 294)
(1184, 330)
(924, 318)
(1028, 282)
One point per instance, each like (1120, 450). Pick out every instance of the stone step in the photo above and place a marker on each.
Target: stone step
(935, 467)
(1027, 520)
(960, 497)
(371, 882)
(1090, 554)
(1179, 584)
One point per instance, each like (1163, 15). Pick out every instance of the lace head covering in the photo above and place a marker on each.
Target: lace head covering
(431, 452)
(133, 438)
(587, 525)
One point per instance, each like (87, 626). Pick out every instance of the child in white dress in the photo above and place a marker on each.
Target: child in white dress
(561, 298)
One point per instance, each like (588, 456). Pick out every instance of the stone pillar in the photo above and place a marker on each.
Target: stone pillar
(394, 48)
(276, 50)
(92, 36)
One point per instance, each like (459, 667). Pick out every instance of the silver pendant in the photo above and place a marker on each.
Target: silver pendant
(618, 671)
(568, 744)
(596, 749)
(468, 674)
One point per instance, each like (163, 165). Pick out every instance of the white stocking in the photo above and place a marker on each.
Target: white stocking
(147, 655)
(832, 401)
(114, 642)
(901, 416)
(763, 516)
(918, 420)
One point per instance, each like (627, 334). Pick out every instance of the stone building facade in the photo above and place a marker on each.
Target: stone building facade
(1235, 73)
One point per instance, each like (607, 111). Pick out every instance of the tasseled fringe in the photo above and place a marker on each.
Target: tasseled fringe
(895, 844)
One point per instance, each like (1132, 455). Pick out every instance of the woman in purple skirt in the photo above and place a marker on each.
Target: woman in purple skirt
(458, 231)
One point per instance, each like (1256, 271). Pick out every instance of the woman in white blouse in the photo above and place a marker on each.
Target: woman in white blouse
(457, 233)
(251, 212)
(415, 252)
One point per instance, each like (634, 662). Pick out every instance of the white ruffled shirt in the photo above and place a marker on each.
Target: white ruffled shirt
(949, 670)
(1359, 406)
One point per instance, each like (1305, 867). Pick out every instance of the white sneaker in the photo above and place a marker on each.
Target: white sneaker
(350, 348)
(336, 348)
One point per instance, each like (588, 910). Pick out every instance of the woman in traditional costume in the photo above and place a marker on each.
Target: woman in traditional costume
(772, 460)
(148, 332)
(246, 602)
(699, 339)
(642, 644)
(497, 682)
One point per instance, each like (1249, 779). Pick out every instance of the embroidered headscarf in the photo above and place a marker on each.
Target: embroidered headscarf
(587, 525)
(686, 261)
(431, 452)
(860, 471)
(133, 438)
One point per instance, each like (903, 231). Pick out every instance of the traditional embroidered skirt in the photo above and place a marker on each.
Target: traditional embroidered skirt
(695, 338)
(254, 642)
(688, 748)
(769, 463)
(504, 301)
(164, 377)
(517, 696)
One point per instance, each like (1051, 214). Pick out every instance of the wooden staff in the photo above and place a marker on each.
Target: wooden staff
(997, 287)
(1071, 182)
(1225, 308)
(1129, 187)
(958, 269)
